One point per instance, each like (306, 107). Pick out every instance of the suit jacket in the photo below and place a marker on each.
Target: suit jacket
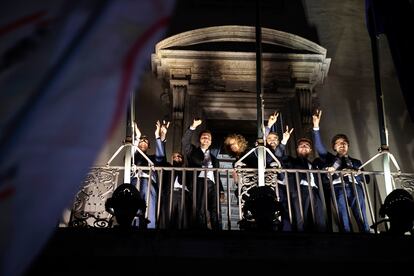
(158, 158)
(165, 220)
(279, 152)
(166, 182)
(195, 155)
(300, 164)
(328, 159)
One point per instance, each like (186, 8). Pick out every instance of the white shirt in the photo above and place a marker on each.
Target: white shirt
(207, 159)
(177, 185)
(312, 179)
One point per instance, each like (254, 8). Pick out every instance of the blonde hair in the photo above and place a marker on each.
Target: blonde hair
(239, 140)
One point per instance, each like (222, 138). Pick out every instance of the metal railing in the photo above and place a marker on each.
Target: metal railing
(329, 204)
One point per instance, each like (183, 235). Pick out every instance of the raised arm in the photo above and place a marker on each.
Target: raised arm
(320, 147)
(186, 140)
(280, 149)
(160, 138)
(137, 134)
(270, 122)
(163, 130)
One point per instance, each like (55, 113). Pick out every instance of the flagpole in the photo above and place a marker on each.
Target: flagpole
(261, 154)
(129, 139)
(383, 130)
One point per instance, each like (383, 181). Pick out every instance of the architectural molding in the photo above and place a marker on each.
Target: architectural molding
(178, 91)
(237, 33)
(221, 83)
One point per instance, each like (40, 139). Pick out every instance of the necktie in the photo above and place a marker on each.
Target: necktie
(207, 159)
(346, 162)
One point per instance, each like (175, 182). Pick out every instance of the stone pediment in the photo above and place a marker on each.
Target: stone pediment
(304, 66)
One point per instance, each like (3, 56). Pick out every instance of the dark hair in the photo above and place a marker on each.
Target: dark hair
(204, 131)
(304, 140)
(178, 153)
(144, 137)
(339, 136)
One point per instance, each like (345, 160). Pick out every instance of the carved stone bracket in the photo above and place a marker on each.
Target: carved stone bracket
(305, 102)
(178, 90)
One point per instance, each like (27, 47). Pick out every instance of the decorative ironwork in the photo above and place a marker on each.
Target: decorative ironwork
(89, 205)
(248, 182)
(405, 182)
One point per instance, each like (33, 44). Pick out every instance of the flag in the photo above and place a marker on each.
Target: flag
(66, 72)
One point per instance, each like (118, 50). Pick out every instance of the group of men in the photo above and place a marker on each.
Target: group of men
(180, 190)
(337, 187)
(191, 198)
(303, 195)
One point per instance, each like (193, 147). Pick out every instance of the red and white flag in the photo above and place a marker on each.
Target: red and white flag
(66, 72)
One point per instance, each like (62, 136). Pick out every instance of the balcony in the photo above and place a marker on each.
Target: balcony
(91, 242)
(89, 205)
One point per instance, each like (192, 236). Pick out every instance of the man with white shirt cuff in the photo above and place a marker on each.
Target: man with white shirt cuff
(203, 156)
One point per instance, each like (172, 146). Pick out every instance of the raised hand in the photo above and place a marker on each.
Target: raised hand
(272, 119)
(157, 129)
(163, 130)
(316, 118)
(286, 135)
(196, 123)
(137, 131)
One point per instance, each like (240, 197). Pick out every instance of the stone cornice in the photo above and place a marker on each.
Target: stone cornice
(237, 33)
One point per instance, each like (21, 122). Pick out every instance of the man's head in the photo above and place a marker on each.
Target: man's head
(272, 140)
(143, 143)
(205, 139)
(177, 159)
(303, 147)
(340, 144)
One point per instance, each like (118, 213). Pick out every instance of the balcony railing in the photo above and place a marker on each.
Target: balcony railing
(302, 206)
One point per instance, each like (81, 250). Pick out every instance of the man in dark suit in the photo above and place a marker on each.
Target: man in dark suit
(143, 175)
(175, 212)
(341, 161)
(203, 157)
(308, 211)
